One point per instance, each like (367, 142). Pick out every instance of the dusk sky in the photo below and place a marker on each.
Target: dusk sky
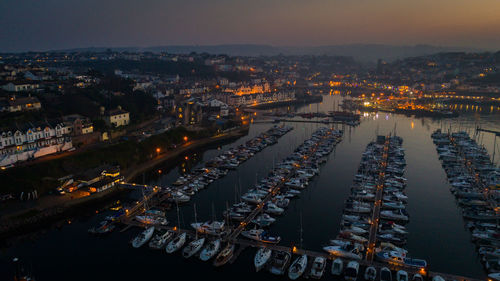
(58, 24)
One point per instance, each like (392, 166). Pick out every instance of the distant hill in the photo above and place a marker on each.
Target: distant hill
(373, 52)
(360, 52)
(232, 50)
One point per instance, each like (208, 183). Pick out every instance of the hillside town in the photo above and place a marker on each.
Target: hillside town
(58, 102)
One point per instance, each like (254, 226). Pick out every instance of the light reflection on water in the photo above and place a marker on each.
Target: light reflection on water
(436, 226)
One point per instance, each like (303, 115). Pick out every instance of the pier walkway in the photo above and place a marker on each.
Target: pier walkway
(258, 209)
(370, 252)
(139, 207)
(241, 227)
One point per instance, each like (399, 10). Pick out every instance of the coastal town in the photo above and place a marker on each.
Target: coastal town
(82, 128)
(39, 119)
(250, 140)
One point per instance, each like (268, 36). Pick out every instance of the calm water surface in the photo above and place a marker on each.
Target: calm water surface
(437, 232)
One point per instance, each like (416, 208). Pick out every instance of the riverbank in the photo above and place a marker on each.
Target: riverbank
(131, 173)
(23, 217)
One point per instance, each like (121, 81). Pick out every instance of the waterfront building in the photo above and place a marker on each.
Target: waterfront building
(117, 117)
(103, 184)
(264, 98)
(99, 179)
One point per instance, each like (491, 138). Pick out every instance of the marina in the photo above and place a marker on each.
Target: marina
(382, 166)
(213, 201)
(386, 146)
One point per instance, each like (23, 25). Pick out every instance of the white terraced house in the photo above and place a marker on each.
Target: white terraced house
(33, 141)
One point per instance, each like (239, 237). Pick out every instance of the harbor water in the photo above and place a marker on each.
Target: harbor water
(436, 227)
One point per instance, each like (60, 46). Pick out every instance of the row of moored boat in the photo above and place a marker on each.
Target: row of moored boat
(475, 183)
(285, 182)
(382, 168)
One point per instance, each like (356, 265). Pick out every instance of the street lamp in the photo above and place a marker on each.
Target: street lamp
(185, 138)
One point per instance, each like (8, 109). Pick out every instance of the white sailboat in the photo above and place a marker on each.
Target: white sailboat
(179, 240)
(193, 247)
(143, 237)
(176, 243)
(261, 258)
(298, 267)
(210, 250)
(225, 255)
(160, 240)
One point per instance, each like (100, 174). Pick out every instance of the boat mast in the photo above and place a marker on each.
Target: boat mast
(178, 217)
(239, 187)
(494, 149)
(144, 199)
(228, 219)
(235, 194)
(195, 221)
(301, 230)
(213, 217)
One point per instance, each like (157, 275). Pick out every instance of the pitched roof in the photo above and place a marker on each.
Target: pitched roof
(23, 101)
(116, 111)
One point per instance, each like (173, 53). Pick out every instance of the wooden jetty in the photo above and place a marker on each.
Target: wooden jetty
(372, 239)
(241, 227)
(139, 207)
